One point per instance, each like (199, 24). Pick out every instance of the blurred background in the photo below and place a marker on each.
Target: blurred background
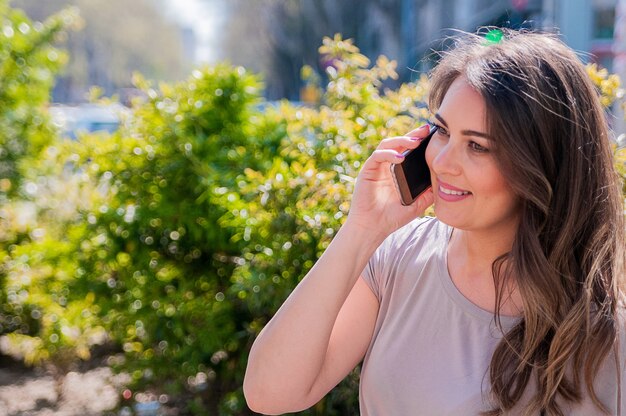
(171, 169)
(163, 39)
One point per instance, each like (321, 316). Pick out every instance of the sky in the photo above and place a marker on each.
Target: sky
(205, 17)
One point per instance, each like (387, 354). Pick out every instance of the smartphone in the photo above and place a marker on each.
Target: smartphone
(412, 176)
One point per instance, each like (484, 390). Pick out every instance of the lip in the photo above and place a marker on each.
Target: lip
(451, 187)
(448, 197)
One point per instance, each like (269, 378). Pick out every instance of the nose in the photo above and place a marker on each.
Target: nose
(446, 159)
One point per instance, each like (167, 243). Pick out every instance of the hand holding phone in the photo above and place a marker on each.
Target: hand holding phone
(412, 175)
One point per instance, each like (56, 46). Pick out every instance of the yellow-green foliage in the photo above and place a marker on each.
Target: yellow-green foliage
(292, 210)
(34, 266)
(28, 65)
(609, 85)
(612, 94)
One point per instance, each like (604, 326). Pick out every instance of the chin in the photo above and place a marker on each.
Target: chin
(449, 218)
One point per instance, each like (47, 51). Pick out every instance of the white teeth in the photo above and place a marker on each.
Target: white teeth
(451, 192)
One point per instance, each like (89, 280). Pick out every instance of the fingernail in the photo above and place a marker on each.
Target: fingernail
(399, 155)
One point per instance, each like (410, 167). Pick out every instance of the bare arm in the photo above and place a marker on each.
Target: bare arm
(323, 329)
(298, 357)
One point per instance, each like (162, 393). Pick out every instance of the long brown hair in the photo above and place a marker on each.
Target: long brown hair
(552, 144)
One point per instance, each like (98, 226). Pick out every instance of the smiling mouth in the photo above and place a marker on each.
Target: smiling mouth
(452, 192)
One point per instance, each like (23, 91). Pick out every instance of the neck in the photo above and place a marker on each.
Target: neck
(479, 249)
(470, 261)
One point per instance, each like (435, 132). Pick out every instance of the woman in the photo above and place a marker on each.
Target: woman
(511, 301)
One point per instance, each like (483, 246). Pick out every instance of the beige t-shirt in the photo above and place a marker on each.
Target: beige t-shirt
(431, 347)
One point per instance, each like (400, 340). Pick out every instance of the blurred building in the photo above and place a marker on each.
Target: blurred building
(278, 38)
(596, 29)
(585, 25)
(72, 121)
(190, 43)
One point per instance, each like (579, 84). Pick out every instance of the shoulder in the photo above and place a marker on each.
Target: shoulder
(417, 233)
(404, 249)
(421, 236)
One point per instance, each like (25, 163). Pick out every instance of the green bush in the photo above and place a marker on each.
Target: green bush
(156, 262)
(28, 66)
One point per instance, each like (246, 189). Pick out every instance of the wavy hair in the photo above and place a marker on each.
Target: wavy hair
(568, 256)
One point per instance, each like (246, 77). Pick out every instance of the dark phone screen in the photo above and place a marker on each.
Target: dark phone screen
(415, 169)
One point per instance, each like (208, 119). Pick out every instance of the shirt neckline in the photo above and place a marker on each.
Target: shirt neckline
(457, 297)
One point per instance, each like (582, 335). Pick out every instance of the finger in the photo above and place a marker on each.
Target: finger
(384, 156)
(399, 143)
(421, 131)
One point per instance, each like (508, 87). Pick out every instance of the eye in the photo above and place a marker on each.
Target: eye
(478, 148)
(441, 130)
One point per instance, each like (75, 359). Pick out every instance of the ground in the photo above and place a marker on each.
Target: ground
(32, 392)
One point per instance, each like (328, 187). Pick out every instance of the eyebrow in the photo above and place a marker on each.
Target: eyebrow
(465, 132)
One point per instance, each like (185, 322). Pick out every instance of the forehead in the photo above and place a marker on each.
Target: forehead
(463, 105)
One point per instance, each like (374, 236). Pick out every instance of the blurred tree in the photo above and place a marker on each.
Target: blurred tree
(118, 38)
(280, 36)
(28, 65)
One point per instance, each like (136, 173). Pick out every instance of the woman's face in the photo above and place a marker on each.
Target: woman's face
(470, 191)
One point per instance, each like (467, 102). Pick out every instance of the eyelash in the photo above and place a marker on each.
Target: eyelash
(440, 129)
(478, 148)
(473, 145)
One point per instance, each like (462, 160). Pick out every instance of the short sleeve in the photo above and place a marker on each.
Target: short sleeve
(621, 363)
(380, 267)
(372, 274)
(615, 368)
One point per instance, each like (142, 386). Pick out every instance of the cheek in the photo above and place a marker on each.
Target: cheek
(494, 186)
(430, 154)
